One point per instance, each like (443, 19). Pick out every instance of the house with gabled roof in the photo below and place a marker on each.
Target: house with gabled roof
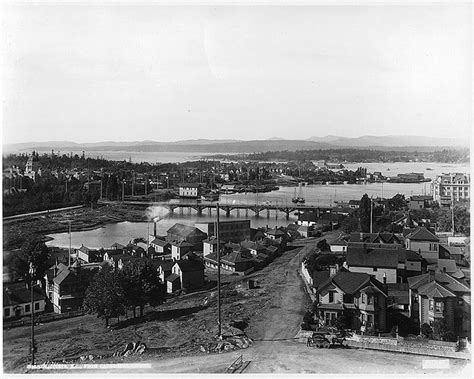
(188, 233)
(17, 300)
(437, 295)
(381, 238)
(423, 241)
(70, 284)
(179, 249)
(160, 246)
(357, 295)
(381, 262)
(185, 274)
(209, 245)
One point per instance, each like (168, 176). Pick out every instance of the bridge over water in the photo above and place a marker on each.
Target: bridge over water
(203, 206)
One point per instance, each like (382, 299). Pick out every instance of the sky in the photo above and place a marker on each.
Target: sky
(129, 72)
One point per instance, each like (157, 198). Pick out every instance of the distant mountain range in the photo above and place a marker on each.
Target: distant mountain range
(391, 142)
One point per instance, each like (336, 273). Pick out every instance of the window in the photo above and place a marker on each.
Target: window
(460, 301)
(27, 308)
(37, 306)
(7, 312)
(438, 306)
(363, 299)
(370, 300)
(331, 297)
(375, 269)
(431, 305)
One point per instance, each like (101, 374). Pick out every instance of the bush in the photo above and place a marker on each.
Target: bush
(426, 331)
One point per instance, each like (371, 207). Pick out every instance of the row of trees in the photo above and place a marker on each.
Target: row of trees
(362, 155)
(113, 292)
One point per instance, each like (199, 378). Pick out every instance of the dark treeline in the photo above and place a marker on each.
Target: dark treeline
(360, 155)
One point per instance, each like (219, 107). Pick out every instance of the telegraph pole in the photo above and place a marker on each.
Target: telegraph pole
(371, 215)
(219, 332)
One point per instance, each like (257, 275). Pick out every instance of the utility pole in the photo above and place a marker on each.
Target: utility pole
(452, 209)
(133, 183)
(219, 331)
(371, 214)
(69, 260)
(32, 274)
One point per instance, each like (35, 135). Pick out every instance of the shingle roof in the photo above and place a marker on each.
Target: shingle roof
(235, 257)
(159, 242)
(166, 265)
(434, 289)
(184, 230)
(447, 281)
(422, 234)
(172, 277)
(18, 293)
(380, 257)
(319, 277)
(351, 282)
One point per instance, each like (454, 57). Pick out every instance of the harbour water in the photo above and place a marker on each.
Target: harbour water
(317, 195)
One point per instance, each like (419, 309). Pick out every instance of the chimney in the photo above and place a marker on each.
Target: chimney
(333, 270)
(384, 278)
(154, 228)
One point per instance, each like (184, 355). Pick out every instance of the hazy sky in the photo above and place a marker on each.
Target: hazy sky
(100, 72)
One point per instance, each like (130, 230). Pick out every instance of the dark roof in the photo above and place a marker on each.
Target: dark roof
(421, 234)
(411, 255)
(319, 277)
(172, 277)
(421, 197)
(166, 265)
(235, 257)
(389, 238)
(159, 242)
(211, 257)
(352, 282)
(434, 290)
(191, 185)
(184, 230)
(447, 281)
(308, 216)
(369, 257)
(447, 264)
(181, 244)
(188, 265)
(18, 293)
(117, 245)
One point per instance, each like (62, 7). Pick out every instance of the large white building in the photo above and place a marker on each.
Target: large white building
(452, 186)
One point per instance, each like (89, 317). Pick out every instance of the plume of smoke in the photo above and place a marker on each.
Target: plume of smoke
(156, 212)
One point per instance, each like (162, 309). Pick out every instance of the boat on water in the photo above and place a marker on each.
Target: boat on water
(298, 199)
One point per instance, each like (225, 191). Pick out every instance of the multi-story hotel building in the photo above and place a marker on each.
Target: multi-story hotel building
(452, 186)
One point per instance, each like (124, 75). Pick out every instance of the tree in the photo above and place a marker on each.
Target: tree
(364, 213)
(350, 224)
(141, 284)
(441, 330)
(398, 202)
(323, 245)
(32, 251)
(104, 296)
(462, 222)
